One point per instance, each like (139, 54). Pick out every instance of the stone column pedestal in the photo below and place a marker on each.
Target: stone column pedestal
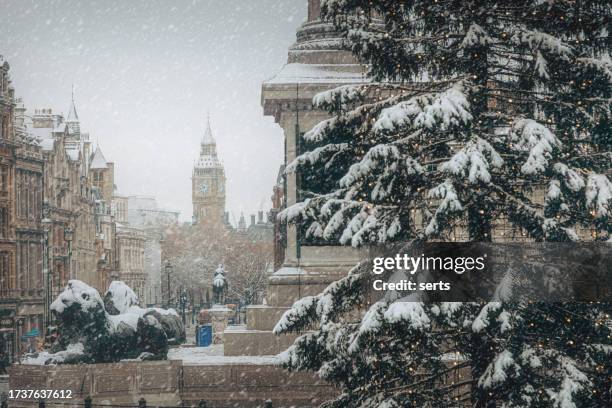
(219, 317)
(320, 266)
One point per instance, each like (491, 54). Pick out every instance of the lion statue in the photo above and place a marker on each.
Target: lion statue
(95, 330)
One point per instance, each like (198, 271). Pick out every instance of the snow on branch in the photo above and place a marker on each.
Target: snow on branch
(530, 136)
(448, 205)
(293, 319)
(541, 65)
(370, 323)
(572, 179)
(440, 111)
(382, 153)
(447, 193)
(411, 314)
(339, 98)
(538, 40)
(574, 382)
(499, 370)
(474, 161)
(553, 193)
(340, 295)
(294, 212)
(338, 220)
(599, 65)
(476, 36)
(313, 156)
(482, 321)
(321, 130)
(335, 299)
(599, 194)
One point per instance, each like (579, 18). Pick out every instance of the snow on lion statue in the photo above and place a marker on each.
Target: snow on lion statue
(95, 330)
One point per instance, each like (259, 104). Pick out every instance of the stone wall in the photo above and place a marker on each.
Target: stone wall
(170, 383)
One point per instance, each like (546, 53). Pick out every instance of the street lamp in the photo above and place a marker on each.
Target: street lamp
(183, 301)
(46, 224)
(20, 324)
(168, 273)
(68, 237)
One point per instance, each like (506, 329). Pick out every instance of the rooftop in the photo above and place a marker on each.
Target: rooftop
(98, 161)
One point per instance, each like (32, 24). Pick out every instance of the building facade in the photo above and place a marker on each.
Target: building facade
(68, 199)
(208, 183)
(103, 184)
(130, 258)
(11, 324)
(145, 214)
(32, 268)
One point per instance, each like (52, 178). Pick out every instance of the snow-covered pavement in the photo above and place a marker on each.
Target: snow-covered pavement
(214, 355)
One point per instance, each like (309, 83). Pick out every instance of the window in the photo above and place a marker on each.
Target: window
(4, 178)
(4, 222)
(5, 272)
(22, 265)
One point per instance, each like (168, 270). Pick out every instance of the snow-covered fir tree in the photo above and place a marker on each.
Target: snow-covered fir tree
(477, 113)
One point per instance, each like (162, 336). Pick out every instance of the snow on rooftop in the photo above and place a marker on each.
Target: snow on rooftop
(73, 154)
(47, 144)
(311, 73)
(98, 161)
(41, 133)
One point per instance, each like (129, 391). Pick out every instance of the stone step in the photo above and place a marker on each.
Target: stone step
(263, 317)
(244, 342)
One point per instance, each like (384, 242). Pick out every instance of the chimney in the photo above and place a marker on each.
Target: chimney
(260, 216)
(43, 118)
(252, 219)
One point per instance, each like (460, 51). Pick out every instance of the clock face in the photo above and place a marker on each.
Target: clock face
(203, 188)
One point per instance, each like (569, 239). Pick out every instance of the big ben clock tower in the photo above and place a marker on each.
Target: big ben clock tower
(208, 183)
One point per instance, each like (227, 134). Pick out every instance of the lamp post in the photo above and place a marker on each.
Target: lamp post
(20, 324)
(46, 224)
(168, 273)
(68, 237)
(183, 301)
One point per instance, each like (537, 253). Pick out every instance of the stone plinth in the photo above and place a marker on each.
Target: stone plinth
(240, 341)
(219, 317)
(319, 266)
(263, 317)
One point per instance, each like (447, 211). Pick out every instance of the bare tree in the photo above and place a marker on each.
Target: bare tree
(195, 252)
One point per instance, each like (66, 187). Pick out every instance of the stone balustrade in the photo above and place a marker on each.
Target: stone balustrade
(173, 382)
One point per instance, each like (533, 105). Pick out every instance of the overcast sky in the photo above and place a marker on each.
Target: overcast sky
(145, 74)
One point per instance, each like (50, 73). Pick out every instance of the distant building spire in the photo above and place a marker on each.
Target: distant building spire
(208, 136)
(72, 120)
(72, 113)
